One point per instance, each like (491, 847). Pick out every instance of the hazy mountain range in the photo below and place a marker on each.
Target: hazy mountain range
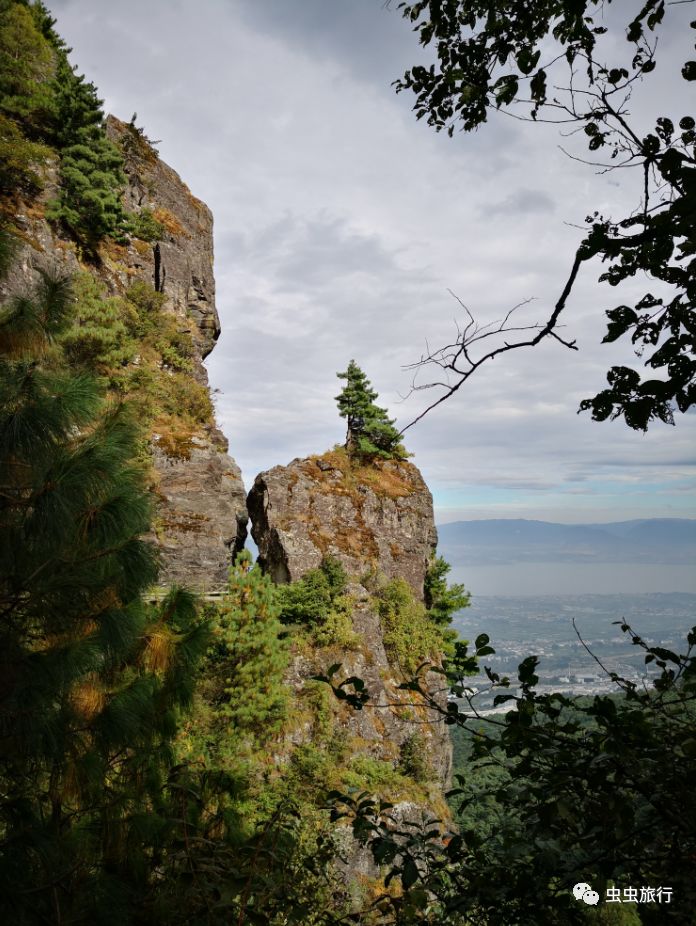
(502, 541)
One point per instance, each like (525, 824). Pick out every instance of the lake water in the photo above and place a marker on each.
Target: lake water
(574, 579)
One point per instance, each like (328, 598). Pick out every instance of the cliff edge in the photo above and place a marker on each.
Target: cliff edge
(201, 512)
(376, 520)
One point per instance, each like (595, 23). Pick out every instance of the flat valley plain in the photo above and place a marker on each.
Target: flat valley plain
(542, 625)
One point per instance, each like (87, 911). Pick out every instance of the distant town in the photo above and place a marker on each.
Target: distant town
(543, 626)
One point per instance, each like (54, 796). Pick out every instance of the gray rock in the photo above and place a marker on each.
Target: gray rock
(201, 518)
(180, 264)
(371, 518)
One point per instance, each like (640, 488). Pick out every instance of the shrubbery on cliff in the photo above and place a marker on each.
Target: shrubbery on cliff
(45, 105)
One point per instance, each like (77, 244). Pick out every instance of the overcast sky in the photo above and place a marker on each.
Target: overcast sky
(340, 225)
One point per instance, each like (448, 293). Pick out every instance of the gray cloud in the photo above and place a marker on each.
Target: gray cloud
(340, 225)
(524, 201)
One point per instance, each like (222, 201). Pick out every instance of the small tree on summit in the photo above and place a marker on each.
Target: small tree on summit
(371, 432)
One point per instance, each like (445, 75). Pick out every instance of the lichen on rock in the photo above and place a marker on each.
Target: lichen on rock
(376, 517)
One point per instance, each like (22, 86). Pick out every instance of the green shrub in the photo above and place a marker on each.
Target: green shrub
(370, 774)
(336, 628)
(308, 600)
(441, 599)
(318, 603)
(410, 637)
(19, 159)
(413, 758)
(98, 338)
(148, 303)
(145, 226)
(182, 397)
(157, 329)
(247, 659)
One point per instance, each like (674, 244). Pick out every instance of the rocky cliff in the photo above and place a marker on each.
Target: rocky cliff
(201, 498)
(371, 517)
(377, 521)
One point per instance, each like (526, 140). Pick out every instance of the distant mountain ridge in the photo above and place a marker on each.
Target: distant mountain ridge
(668, 541)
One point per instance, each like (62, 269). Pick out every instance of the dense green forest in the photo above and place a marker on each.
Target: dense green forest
(151, 769)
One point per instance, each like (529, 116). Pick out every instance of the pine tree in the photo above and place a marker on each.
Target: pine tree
(92, 179)
(26, 67)
(247, 659)
(371, 433)
(91, 678)
(43, 99)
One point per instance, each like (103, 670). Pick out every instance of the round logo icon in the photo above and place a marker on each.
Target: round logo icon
(580, 889)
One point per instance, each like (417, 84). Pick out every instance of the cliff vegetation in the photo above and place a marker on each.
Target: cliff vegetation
(167, 758)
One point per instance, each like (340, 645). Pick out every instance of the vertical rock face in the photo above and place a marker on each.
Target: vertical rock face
(374, 520)
(377, 517)
(180, 263)
(201, 518)
(202, 510)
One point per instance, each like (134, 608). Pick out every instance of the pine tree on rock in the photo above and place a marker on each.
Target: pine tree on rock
(371, 432)
(92, 179)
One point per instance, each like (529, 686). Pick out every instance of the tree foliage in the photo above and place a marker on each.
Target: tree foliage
(92, 677)
(507, 58)
(442, 599)
(45, 104)
(371, 433)
(26, 67)
(555, 791)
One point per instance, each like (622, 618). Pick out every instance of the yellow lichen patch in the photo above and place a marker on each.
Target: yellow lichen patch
(142, 247)
(183, 523)
(65, 246)
(386, 480)
(36, 209)
(113, 251)
(195, 202)
(337, 474)
(175, 442)
(170, 222)
(33, 242)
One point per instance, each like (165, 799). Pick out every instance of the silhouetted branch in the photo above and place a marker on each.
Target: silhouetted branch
(456, 358)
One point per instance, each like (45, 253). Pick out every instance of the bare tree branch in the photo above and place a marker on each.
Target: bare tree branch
(450, 357)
